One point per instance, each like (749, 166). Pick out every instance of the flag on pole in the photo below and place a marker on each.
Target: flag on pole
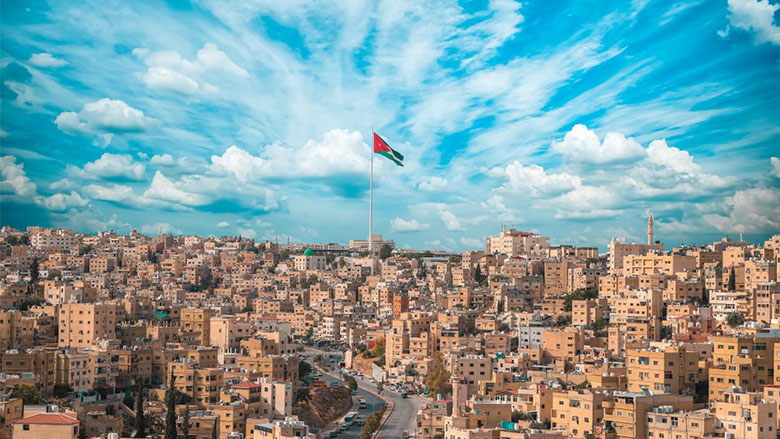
(381, 147)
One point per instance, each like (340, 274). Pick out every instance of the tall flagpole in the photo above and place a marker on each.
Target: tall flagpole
(371, 200)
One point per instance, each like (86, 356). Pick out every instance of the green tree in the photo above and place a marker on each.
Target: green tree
(439, 377)
(583, 385)
(379, 388)
(170, 405)
(732, 280)
(35, 267)
(28, 394)
(735, 319)
(421, 271)
(140, 418)
(385, 251)
(302, 395)
(579, 294)
(351, 382)
(185, 425)
(379, 348)
(304, 369)
(61, 390)
(479, 277)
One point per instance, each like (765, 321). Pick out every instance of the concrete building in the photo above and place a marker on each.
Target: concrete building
(81, 324)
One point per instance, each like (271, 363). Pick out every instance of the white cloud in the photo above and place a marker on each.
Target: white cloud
(586, 202)
(583, 145)
(165, 189)
(116, 193)
(775, 166)
(402, 225)
(16, 184)
(15, 180)
(433, 184)
(168, 70)
(111, 166)
(671, 157)
(156, 228)
(451, 222)
(339, 153)
(533, 178)
(755, 210)
(497, 208)
(471, 242)
(62, 183)
(104, 117)
(164, 159)
(46, 60)
(756, 16)
(223, 224)
(60, 202)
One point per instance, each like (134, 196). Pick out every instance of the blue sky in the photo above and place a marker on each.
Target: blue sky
(572, 119)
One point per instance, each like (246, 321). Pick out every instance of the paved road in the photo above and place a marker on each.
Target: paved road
(403, 417)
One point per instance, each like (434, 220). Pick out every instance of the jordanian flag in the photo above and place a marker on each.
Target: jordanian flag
(381, 147)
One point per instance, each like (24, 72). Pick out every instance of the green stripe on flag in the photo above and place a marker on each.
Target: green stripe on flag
(391, 157)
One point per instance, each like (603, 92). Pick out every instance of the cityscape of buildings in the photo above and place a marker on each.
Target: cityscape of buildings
(523, 339)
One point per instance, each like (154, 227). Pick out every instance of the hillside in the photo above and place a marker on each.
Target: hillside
(325, 405)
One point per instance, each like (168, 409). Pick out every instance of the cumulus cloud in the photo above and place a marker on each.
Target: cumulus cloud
(168, 70)
(534, 179)
(775, 166)
(756, 16)
(671, 157)
(164, 189)
(15, 180)
(340, 152)
(433, 184)
(46, 60)
(115, 193)
(451, 222)
(164, 159)
(16, 184)
(223, 224)
(104, 117)
(60, 202)
(402, 225)
(583, 145)
(586, 202)
(111, 166)
(755, 210)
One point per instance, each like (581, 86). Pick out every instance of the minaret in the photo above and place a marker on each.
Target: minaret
(455, 381)
(650, 229)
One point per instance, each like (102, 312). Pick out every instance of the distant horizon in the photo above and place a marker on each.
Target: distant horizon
(602, 249)
(200, 117)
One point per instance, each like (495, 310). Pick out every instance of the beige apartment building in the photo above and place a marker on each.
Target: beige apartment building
(627, 411)
(226, 332)
(657, 263)
(513, 243)
(81, 324)
(577, 412)
(666, 369)
(746, 415)
(664, 422)
(619, 250)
